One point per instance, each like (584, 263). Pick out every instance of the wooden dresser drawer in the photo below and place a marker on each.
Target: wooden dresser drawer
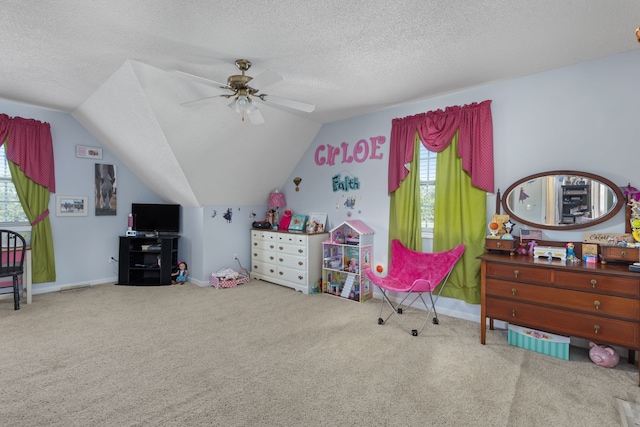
(501, 244)
(519, 273)
(599, 283)
(619, 254)
(591, 303)
(599, 329)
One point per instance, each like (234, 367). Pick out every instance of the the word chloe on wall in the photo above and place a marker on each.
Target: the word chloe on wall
(362, 150)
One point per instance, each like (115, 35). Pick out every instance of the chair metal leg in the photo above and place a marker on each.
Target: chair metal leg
(395, 311)
(16, 293)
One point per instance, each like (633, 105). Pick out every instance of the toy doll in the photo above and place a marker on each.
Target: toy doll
(182, 275)
(286, 219)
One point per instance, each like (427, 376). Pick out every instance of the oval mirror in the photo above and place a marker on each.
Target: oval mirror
(562, 200)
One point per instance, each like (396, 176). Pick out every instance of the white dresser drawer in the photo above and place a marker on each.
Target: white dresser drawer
(260, 267)
(263, 255)
(292, 275)
(285, 248)
(295, 239)
(264, 245)
(263, 235)
(290, 261)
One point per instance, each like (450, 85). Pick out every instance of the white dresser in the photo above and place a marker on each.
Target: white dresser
(287, 258)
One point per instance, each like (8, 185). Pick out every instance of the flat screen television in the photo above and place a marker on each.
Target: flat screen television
(161, 218)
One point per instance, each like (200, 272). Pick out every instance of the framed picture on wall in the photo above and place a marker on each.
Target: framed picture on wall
(71, 205)
(298, 222)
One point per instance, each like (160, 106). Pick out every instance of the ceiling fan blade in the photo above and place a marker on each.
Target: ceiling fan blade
(199, 101)
(290, 103)
(265, 79)
(255, 117)
(212, 83)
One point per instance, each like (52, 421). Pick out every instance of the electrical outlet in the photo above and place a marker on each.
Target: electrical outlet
(235, 257)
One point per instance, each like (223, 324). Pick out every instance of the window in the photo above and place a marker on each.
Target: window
(11, 212)
(427, 187)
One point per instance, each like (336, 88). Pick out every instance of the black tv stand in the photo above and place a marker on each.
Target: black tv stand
(146, 261)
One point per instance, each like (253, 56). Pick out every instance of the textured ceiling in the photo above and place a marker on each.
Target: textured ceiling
(107, 63)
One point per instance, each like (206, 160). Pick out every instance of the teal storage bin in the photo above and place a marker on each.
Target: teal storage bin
(539, 341)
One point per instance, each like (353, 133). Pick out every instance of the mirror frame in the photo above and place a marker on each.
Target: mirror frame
(618, 206)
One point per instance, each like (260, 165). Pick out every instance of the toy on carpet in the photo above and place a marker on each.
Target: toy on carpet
(182, 275)
(228, 278)
(603, 355)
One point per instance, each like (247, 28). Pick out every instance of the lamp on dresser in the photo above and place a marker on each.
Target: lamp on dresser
(276, 201)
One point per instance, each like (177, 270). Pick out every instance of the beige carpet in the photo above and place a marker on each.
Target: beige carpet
(265, 355)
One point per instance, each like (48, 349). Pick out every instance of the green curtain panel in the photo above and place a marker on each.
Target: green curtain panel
(35, 200)
(460, 216)
(404, 208)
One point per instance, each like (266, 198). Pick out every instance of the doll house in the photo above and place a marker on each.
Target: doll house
(347, 253)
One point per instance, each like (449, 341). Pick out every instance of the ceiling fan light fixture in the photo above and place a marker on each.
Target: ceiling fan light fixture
(242, 103)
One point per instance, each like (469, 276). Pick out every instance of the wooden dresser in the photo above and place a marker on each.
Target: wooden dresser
(598, 302)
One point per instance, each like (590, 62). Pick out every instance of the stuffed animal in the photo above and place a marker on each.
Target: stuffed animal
(286, 219)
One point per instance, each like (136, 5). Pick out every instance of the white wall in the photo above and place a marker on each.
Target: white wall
(83, 244)
(582, 117)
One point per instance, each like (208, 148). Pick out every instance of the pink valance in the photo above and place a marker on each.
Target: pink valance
(436, 130)
(30, 147)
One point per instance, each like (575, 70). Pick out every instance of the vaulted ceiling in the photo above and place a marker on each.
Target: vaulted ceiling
(110, 63)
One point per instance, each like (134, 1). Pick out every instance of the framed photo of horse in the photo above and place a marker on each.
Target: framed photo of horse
(105, 190)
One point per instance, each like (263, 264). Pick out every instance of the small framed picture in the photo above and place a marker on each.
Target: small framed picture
(71, 205)
(318, 221)
(83, 152)
(298, 222)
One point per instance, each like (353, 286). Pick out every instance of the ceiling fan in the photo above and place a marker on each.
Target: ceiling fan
(243, 96)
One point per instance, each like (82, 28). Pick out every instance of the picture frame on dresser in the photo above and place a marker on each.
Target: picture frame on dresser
(298, 222)
(318, 221)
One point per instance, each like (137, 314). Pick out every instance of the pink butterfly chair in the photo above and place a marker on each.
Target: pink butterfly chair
(415, 273)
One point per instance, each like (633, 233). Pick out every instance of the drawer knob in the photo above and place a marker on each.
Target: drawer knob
(272, 271)
(280, 259)
(300, 263)
(280, 248)
(300, 277)
(513, 291)
(271, 247)
(513, 313)
(255, 244)
(516, 272)
(596, 328)
(280, 273)
(255, 254)
(597, 304)
(593, 283)
(623, 254)
(300, 250)
(498, 244)
(271, 257)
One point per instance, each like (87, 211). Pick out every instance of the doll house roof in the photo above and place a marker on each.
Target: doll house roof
(357, 225)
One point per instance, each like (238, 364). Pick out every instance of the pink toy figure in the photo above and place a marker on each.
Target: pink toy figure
(532, 246)
(603, 356)
(522, 248)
